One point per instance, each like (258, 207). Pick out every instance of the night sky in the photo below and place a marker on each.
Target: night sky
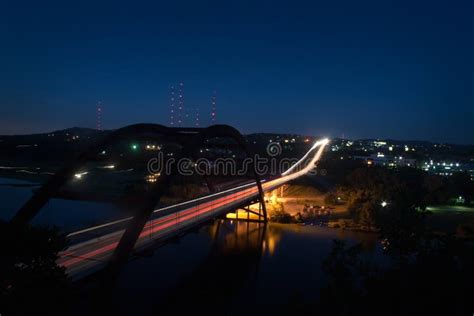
(387, 69)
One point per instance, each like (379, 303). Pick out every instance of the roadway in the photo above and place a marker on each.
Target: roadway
(92, 247)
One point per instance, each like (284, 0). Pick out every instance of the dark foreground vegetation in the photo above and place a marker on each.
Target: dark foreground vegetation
(426, 275)
(31, 282)
(427, 272)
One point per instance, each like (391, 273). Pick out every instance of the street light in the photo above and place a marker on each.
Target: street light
(384, 203)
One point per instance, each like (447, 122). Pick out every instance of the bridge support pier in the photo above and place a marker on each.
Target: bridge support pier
(261, 213)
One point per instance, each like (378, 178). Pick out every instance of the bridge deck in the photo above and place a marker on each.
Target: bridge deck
(91, 248)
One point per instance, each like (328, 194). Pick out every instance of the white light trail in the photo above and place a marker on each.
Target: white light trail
(285, 177)
(322, 142)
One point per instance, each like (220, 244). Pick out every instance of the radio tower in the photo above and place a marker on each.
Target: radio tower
(172, 102)
(180, 103)
(99, 116)
(197, 116)
(186, 116)
(213, 109)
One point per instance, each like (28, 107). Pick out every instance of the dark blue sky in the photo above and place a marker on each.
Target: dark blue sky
(397, 69)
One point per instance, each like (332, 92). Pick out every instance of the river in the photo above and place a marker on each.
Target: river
(226, 265)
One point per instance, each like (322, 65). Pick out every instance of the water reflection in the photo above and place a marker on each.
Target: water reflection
(237, 236)
(228, 266)
(227, 273)
(232, 236)
(255, 265)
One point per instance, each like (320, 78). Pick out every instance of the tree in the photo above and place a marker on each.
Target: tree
(437, 280)
(31, 282)
(460, 184)
(280, 216)
(372, 189)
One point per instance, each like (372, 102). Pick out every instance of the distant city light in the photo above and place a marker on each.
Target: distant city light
(152, 178)
(79, 175)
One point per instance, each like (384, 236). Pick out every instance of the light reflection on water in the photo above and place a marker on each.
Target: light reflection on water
(231, 264)
(236, 265)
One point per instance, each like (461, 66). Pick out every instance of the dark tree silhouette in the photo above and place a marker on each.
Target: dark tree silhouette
(31, 282)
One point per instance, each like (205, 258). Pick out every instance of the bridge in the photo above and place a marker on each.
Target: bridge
(111, 244)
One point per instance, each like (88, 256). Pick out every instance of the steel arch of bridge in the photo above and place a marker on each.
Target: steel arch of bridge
(189, 138)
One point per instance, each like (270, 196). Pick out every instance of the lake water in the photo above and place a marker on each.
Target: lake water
(67, 215)
(225, 266)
